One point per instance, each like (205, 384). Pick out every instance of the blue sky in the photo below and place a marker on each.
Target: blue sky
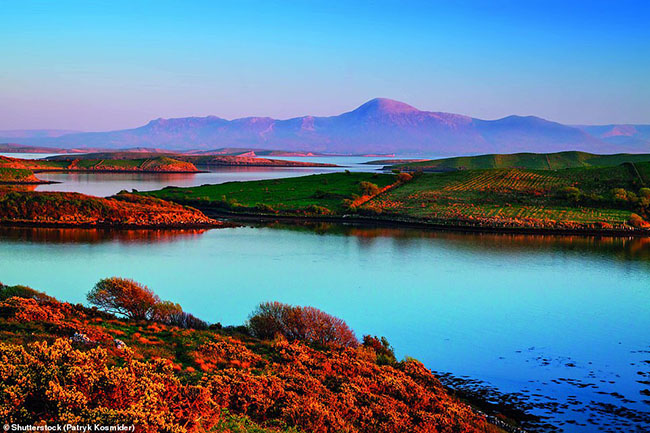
(93, 65)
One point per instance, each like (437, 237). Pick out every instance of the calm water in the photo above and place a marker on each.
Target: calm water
(563, 321)
(28, 155)
(105, 184)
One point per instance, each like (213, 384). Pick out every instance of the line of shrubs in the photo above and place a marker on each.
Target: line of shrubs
(130, 299)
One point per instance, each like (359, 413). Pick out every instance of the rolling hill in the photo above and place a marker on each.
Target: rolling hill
(534, 161)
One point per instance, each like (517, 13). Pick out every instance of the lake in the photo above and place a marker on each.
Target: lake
(106, 184)
(563, 321)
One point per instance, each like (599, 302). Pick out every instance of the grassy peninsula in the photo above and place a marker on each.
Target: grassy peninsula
(612, 199)
(326, 194)
(161, 369)
(10, 176)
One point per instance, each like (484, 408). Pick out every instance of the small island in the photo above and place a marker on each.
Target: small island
(19, 176)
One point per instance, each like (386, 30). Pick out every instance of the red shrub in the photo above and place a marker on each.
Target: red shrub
(299, 323)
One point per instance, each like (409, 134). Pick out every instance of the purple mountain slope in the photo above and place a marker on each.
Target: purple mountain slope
(378, 126)
(634, 137)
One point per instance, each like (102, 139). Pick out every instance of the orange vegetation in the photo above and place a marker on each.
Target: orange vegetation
(60, 363)
(122, 210)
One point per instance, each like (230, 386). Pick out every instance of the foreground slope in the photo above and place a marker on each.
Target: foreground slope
(63, 363)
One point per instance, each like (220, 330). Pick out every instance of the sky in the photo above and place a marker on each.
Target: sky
(103, 65)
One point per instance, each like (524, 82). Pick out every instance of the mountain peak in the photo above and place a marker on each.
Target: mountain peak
(385, 106)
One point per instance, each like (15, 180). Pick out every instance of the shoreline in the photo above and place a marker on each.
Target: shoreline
(40, 182)
(301, 165)
(234, 219)
(118, 226)
(367, 221)
(67, 170)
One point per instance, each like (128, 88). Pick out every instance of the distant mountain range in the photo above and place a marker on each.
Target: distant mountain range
(378, 126)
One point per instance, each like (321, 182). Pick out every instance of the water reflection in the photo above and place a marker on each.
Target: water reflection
(618, 248)
(20, 188)
(94, 236)
(105, 184)
(621, 248)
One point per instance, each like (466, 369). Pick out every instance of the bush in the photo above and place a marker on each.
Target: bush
(54, 382)
(371, 210)
(263, 207)
(404, 177)
(571, 193)
(638, 222)
(619, 194)
(125, 297)
(7, 292)
(135, 301)
(644, 193)
(299, 323)
(318, 210)
(187, 321)
(381, 346)
(368, 188)
(348, 205)
(164, 311)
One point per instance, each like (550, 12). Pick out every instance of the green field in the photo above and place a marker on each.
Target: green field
(534, 161)
(575, 198)
(535, 198)
(327, 191)
(14, 175)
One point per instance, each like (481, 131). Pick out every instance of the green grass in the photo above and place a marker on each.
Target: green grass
(600, 197)
(528, 197)
(535, 161)
(243, 424)
(125, 163)
(46, 164)
(288, 194)
(15, 174)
